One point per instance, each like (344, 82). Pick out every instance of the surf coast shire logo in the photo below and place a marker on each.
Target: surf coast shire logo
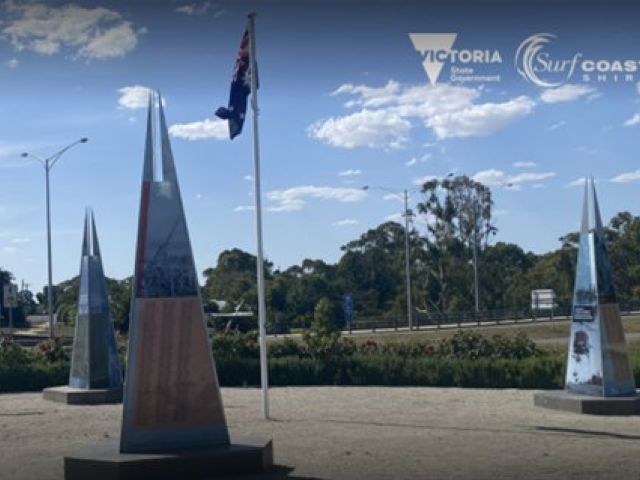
(539, 63)
(467, 65)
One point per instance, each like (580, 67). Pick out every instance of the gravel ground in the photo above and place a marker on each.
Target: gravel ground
(361, 433)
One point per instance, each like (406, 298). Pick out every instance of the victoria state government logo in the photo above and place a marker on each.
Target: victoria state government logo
(466, 65)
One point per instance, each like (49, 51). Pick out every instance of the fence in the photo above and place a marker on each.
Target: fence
(471, 318)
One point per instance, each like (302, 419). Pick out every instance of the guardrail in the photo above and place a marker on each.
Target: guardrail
(470, 319)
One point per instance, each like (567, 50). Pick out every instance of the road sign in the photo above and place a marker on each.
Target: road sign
(348, 310)
(10, 299)
(543, 299)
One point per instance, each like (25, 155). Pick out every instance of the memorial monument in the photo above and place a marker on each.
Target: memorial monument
(95, 375)
(173, 423)
(599, 379)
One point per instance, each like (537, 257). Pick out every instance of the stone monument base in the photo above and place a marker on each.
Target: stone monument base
(573, 402)
(81, 396)
(104, 461)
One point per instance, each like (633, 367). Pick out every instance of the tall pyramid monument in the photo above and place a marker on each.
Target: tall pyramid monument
(598, 364)
(172, 398)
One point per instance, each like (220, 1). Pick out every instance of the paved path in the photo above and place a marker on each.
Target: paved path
(362, 433)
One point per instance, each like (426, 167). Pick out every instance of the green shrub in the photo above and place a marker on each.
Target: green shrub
(235, 344)
(286, 348)
(474, 345)
(52, 350)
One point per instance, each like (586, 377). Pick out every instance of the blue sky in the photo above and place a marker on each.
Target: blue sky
(345, 102)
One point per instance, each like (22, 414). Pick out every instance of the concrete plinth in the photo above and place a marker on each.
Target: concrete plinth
(104, 461)
(572, 402)
(80, 396)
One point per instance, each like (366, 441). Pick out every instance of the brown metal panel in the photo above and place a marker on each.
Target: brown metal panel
(177, 386)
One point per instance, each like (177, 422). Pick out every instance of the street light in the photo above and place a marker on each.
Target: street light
(405, 196)
(48, 164)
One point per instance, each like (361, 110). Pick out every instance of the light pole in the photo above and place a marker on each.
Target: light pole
(407, 260)
(48, 164)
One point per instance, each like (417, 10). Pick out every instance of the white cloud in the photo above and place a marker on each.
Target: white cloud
(8, 249)
(524, 164)
(479, 120)
(395, 217)
(393, 196)
(350, 173)
(366, 128)
(134, 97)
(566, 93)
(424, 179)
(493, 177)
(112, 43)
(369, 96)
(557, 125)
(248, 178)
(194, 8)
(346, 222)
(448, 110)
(91, 33)
(578, 182)
(12, 63)
(627, 177)
(414, 160)
(207, 128)
(295, 198)
(528, 177)
(20, 240)
(244, 208)
(635, 120)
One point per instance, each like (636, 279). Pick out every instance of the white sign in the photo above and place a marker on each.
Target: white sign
(543, 299)
(10, 296)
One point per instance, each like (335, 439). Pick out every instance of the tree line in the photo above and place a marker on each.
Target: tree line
(457, 217)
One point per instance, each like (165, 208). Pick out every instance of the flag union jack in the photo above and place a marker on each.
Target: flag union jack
(236, 111)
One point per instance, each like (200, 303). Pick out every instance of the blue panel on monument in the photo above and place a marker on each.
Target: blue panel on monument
(94, 361)
(172, 399)
(598, 363)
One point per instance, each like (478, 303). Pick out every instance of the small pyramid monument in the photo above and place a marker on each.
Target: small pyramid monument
(172, 397)
(598, 364)
(95, 375)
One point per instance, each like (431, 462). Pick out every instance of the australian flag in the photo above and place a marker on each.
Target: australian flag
(240, 90)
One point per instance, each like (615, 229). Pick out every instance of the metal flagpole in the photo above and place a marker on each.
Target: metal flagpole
(262, 309)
